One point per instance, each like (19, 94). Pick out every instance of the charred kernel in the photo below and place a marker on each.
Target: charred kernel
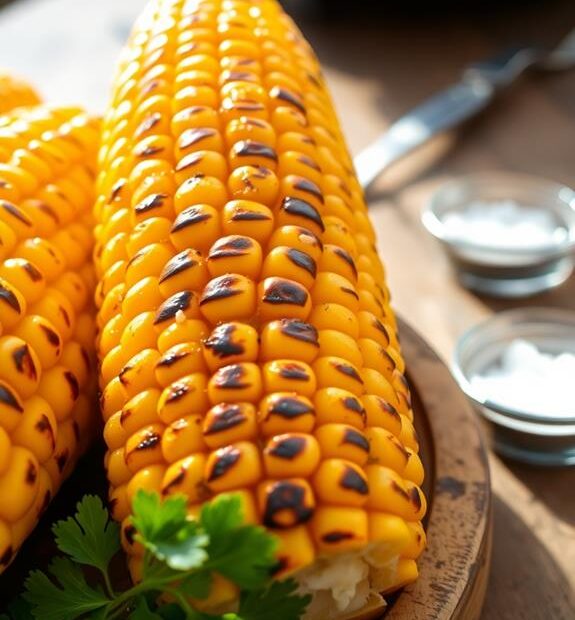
(375, 356)
(23, 276)
(199, 137)
(37, 429)
(185, 302)
(229, 297)
(183, 397)
(235, 383)
(151, 203)
(229, 423)
(282, 298)
(414, 469)
(254, 183)
(288, 375)
(180, 360)
(291, 263)
(206, 163)
(138, 373)
(246, 128)
(285, 412)
(298, 212)
(337, 405)
(21, 474)
(143, 448)
(235, 254)
(295, 551)
(344, 442)
(245, 217)
(12, 305)
(230, 343)
(337, 260)
(183, 437)
(341, 483)
(382, 414)
(334, 343)
(60, 387)
(376, 383)
(299, 238)
(19, 365)
(297, 337)
(371, 327)
(195, 227)
(140, 411)
(390, 493)
(186, 476)
(339, 373)
(252, 153)
(285, 503)
(336, 529)
(386, 449)
(331, 288)
(186, 270)
(235, 466)
(42, 338)
(284, 95)
(291, 455)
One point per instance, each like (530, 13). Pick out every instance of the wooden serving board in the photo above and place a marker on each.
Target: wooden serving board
(455, 566)
(453, 569)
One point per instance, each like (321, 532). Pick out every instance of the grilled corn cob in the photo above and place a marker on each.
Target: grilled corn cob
(47, 320)
(246, 341)
(15, 93)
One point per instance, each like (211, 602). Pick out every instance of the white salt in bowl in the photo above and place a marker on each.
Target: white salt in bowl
(524, 244)
(542, 436)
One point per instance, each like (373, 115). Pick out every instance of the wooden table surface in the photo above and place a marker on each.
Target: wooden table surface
(378, 71)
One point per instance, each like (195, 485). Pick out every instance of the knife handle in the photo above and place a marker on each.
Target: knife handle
(439, 113)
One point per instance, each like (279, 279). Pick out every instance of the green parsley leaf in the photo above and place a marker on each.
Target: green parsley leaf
(278, 601)
(157, 520)
(242, 553)
(171, 612)
(18, 609)
(90, 537)
(196, 585)
(164, 529)
(68, 600)
(142, 611)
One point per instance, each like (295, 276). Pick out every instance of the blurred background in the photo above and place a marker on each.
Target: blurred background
(381, 58)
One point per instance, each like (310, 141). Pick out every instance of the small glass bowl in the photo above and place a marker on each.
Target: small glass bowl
(506, 272)
(524, 436)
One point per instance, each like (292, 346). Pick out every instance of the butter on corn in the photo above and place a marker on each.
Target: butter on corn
(246, 340)
(47, 319)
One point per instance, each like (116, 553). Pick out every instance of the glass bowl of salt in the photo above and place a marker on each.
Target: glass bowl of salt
(517, 369)
(507, 234)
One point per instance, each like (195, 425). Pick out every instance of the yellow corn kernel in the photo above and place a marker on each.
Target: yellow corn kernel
(336, 529)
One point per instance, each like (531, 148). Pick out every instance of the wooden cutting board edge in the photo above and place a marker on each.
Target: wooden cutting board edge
(454, 569)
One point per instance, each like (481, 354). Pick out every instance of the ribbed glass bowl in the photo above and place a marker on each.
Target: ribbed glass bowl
(501, 271)
(541, 439)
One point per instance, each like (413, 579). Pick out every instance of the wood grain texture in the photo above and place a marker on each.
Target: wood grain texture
(455, 566)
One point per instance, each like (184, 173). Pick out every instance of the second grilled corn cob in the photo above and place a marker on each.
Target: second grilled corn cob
(47, 161)
(246, 340)
(15, 93)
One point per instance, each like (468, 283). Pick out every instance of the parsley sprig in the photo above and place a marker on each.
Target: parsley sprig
(180, 556)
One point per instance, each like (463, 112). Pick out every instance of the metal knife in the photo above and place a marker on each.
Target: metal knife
(479, 85)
